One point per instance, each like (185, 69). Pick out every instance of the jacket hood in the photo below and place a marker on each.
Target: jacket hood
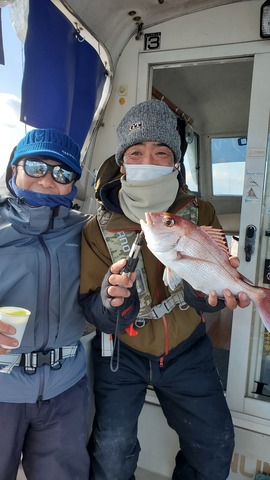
(4, 192)
(107, 185)
(108, 172)
(38, 220)
(9, 170)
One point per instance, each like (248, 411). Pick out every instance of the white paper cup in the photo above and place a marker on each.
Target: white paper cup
(18, 318)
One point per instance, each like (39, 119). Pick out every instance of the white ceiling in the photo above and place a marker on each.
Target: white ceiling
(216, 95)
(110, 22)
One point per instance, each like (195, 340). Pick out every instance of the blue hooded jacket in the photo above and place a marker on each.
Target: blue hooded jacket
(39, 271)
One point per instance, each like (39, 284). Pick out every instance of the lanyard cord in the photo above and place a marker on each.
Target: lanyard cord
(114, 363)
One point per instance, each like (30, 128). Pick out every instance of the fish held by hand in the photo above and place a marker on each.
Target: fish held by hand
(200, 256)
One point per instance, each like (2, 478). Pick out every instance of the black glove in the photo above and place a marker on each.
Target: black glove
(105, 297)
(128, 310)
(199, 300)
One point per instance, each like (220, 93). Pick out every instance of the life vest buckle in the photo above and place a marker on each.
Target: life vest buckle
(140, 322)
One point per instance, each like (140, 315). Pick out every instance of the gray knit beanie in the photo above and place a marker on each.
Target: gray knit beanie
(148, 121)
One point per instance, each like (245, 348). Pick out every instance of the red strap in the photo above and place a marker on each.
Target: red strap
(130, 330)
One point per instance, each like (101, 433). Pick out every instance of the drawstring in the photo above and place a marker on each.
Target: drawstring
(165, 323)
(116, 341)
(116, 345)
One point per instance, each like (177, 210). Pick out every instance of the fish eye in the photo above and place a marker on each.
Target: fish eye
(168, 222)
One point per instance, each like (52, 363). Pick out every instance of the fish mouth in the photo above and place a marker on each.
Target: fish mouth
(158, 244)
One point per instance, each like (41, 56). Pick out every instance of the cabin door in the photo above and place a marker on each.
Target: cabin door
(224, 93)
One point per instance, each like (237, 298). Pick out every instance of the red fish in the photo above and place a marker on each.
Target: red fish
(198, 255)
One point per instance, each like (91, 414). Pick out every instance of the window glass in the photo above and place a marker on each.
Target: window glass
(191, 162)
(228, 157)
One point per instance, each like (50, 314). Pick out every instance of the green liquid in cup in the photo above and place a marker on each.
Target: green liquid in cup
(17, 313)
(21, 312)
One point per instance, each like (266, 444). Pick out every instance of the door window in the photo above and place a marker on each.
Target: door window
(228, 157)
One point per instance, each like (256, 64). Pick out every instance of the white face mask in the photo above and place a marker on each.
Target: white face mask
(142, 173)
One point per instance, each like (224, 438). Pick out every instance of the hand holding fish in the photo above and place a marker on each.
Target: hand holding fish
(242, 300)
(231, 301)
(199, 255)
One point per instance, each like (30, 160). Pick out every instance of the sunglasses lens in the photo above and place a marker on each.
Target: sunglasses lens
(37, 169)
(61, 175)
(34, 168)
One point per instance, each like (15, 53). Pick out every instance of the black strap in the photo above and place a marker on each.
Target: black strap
(31, 361)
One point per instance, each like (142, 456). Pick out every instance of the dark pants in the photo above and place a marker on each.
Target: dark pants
(52, 437)
(191, 397)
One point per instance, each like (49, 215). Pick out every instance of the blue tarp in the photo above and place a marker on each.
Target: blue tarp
(2, 58)
(63, 77)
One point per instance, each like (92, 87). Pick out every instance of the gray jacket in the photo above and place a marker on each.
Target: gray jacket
(39, 271)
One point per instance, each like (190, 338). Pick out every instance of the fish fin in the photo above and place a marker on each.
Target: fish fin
(218, 235)
(263, 305)
(170, 278)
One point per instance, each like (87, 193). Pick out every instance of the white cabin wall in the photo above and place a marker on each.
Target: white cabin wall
(229, 24)
(223, 25)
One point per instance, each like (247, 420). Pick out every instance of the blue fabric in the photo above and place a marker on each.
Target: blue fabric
(63, 77)
(50, 143)
(192, 401)
(2, 57)
(35, 199)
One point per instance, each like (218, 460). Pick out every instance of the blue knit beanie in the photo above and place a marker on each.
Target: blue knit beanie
(151, 120)
(51, 143)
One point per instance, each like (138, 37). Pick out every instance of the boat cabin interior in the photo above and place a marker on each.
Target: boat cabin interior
(209, 60)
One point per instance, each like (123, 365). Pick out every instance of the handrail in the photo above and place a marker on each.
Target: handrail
(172, 106)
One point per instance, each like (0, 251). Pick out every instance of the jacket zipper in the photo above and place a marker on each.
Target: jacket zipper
(47, 292)
(46, 313)
(41, 386)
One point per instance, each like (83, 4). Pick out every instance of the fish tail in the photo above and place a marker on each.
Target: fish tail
(263, 304)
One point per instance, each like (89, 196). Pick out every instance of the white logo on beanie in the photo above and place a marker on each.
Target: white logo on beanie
(136, 126)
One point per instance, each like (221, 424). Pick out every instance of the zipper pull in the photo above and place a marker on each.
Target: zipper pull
(161, 361)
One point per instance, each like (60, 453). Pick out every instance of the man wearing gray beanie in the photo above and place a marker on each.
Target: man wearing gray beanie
(162, 345)
(43, 385)
(147, 121)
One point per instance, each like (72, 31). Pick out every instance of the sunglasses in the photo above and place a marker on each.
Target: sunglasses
(37, 169)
